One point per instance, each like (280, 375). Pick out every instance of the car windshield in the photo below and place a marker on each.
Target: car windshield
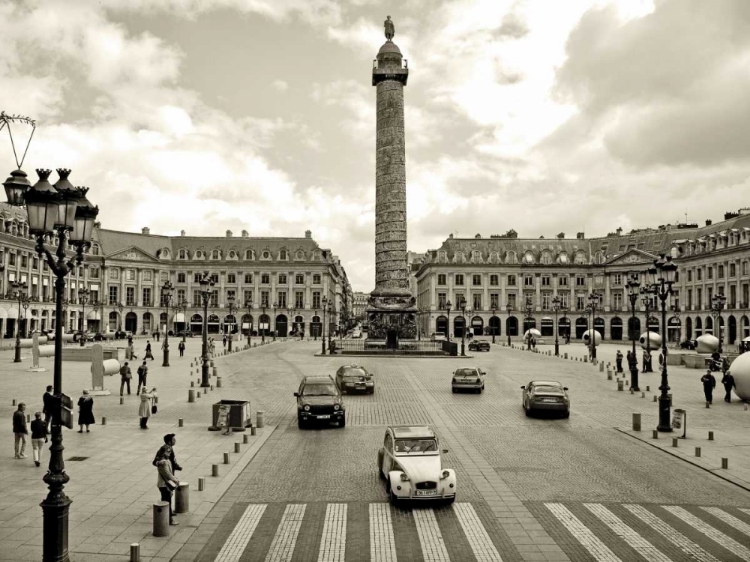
(547, 388)
(319, 389)
(466, 373)
(354, 373)
(407, 446)
(354, 378)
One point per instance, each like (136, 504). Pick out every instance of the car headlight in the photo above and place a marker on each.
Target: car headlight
(336, 407)
(404, 477)
(445, 474)
(307, 407)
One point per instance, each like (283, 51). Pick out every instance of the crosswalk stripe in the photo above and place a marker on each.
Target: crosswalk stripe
(629, 535)
(479, 540)
(671, 534)
(282, 547)
(711, 532)
(333, 542)
(382, 543)
(743, 510)
(738, 524)
(430, 537)
(241, 534)
(582, 534)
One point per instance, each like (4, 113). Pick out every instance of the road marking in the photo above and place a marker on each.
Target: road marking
(626, 533)
(738, 524)
(711, 532)
(382, 543)
(333, 542)
(671, 534)
(433, 546)
(282, 547)
(582, 534)
(479, 541)
(241, 534)
(742, 509)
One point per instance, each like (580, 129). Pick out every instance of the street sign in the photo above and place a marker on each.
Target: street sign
(66, 411)
(223, 416)
(679, 421)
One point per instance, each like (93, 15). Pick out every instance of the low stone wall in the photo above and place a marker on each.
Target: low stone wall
(84, 353)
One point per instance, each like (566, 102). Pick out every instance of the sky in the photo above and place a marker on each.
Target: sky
(534, 115)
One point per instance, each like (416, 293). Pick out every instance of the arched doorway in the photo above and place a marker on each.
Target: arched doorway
(653, 324)
(634, 328)
(674, 328)
(689, 328)
(458, 326)
(511, 326)
(563, 327)
(698, 327)
(113, 323)
(131, 322)
(299, 325)
(745, 322)
(709, 325)
(178, 322)
(441, 325)
(721, 332)
(548, 327)
(281, 326)
(230, 324)
(615, 328)
(477, 324)
(528, 324)
(196, 323)
(582, 324)
(148, 323)
(212, 324)
(247, 324)
(599, 326)
(315, 327)
(495, 324)
(264, 326)
(94, 321)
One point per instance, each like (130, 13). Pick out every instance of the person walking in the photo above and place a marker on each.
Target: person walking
(156, 335)
(647, 367)
(709, 383)
(20, 431)
(148, 355)
(167, 483)
(618, 360)
(725, 365)
(85, 411)
(142, 374)
(533, 343)
(715, 361)
(728, 381)
(224, 341)
(144, 410)
(38, 437)
(48, 405)
(125, 376)
(181, 347)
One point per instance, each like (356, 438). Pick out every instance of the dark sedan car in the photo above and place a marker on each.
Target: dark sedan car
(479, 345)
(545, 396)
(355, 378)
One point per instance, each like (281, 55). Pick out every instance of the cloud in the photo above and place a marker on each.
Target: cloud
(280, 85)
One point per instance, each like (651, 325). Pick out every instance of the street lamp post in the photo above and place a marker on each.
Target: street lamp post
(330, 319)
(83, 296)
(323, 328)
(62, 210)
(448, 306)
(263, 330)
(183, 308)
(206, 290)
(232, 308)
(717, 305)
(529, 317)
(556, 305)
(494, 323)
(594, 299)
(661, 286)
(19, 292)
(462, 306)
(166, 296)
(646, 293)
(25, 305)
(633, 286)
(249, 307)
(508, 308)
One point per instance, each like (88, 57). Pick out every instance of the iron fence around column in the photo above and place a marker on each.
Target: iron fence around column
(364, 347)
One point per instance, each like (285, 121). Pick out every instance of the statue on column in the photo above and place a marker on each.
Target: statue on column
(390, 30)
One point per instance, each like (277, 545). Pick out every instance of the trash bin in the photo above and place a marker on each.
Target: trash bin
(237, 417)
(679, 421)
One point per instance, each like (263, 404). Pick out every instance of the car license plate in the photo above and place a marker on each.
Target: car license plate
(326, 417)
(550, 399)
(425, 492)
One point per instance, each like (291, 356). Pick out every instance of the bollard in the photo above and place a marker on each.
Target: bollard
(226, 457)
(28, 418)
(14, 401)
(724, 462)
(710, 435)
(122, 400)
(655, 434)
(215, 372)
(218, 382)
(586, 359)
(135, 552)
(643, 395)
(620, 386)
(566, 356)
(198, 395)
(648, 389)
(211, 364)
(192, 384)
(214, 470)
(697, 451)
(104, 420)
(252, 430)
(161, 519)
(246, 437)
(180, 422)
(636, 422)
(655, 399)
(609, 375)
(237, 447)
(191, 395)
(601, 367)
(212, 387)
(745, 407)
(674, 441)
(182, 498)
(205, 390)
(259, 419)
(201, 483)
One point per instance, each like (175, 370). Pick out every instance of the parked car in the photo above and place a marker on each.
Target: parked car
(547, 396)
(319, 399)
(355, 378)
(412, 467)
(689, 344)
(479, 345)
(471, 378)
(438, 336)
(100, 337)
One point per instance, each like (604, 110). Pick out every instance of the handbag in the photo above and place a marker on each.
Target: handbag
(171, 486)
(153, 409)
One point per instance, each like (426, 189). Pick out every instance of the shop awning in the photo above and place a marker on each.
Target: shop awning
(179, 317)
(94, 315)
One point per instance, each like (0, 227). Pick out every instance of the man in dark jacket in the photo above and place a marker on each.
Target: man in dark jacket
(20, 430)
(728, 381)
(125, 376)
(142, 374)
(167, 451)
(48, 401)
(38, 437)
(618, 360)
(709, 383)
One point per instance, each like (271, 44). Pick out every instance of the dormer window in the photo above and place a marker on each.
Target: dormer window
(199, 255)
(182, 254)
(546, 258)
(266, 255)
(283, 255)
(232, 255)
(528, 257)
(249, 254)
(215, 255)
(299, 255)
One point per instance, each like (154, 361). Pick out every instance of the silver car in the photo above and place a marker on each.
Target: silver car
(468, 379)
(545, 395)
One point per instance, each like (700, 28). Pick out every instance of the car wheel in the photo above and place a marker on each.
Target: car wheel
(342, 423)
(453, 390)
(450, 501)
(387, 485)
(301, 424)
(394, 498)
(528, 412)
(566, 414)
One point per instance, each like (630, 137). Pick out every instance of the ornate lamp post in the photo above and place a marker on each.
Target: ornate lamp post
(25, 305)
(63, 210)
(120, 307)
(232, 308)
(508, 308)
(717, 305)
(19, 293)
(594, 299)
(633, 286)
(529, 317)
(556, 306)
(182, 307)
(263, 330)
(83, 296)
(462, 306)
(166, 297)
(273, 306)
(646, 293)
(249, 307)
(206, 291)
(330, 319)
(494, 324)
(448, 306)
(661, 286)
(323, 327)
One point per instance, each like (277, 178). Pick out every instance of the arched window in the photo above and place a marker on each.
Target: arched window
(215, 254)
(546, 258)
(511, 258)
(528, 257)
(249, 254)
(283, 255)
(183, 255)
(164, 254)
(580, 258)
(95, 249)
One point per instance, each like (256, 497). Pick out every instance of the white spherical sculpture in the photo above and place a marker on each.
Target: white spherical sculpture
(650, 341)
(532, 333)
(587, 335)
(740, 370)
(707, 343)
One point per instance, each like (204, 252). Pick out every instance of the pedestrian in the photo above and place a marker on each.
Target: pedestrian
(38, 437)
(647, 362)
(125, 376)
(533, 343)
(148, 352)
(709, 383)
(715, 361)
(167, 483)
(181, 347)
(618, 360)
(728, 381)
(85, 411)
(167, 451)
(725, 365)
(48, 400)
(20, 431)
(142, 374)
(224, 341)
(156, 335)
(144, 410)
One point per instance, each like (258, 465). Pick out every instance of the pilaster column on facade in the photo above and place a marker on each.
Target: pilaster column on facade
(555, 281)
(503, 289)
(189, 289)
(432, 294)
(607, 292)
(538, 292)
(139, 286)
(451, 296)
(486, 291)
(222, 290)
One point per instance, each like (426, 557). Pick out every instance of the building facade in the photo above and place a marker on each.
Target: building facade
(285, 280)
(492, 274)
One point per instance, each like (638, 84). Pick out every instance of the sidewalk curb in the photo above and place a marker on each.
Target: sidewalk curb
(714, 471)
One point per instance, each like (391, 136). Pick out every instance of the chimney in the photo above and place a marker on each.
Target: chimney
(97, 224)
(145, 230)
(619, 231)
(245, 234)
(709, 222)
(182, 233)
(308, 234)
(579, 235)
(477, 236)
(561, 235)
(229, 233)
